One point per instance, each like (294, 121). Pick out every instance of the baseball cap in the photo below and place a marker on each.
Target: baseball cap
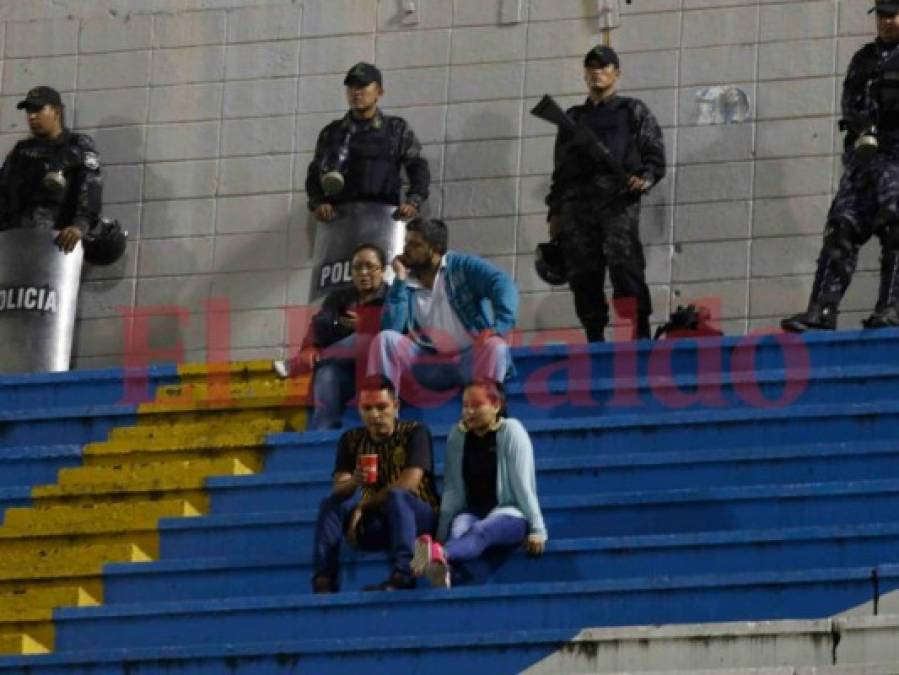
(39, 97)
(602, 56)
(363, 74)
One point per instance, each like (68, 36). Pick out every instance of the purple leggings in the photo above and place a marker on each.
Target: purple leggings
(470, 536)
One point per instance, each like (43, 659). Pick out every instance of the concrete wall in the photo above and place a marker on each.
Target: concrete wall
(206, 112)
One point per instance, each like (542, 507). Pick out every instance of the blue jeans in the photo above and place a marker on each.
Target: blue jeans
(397, 356)
(394, 527)
(334, 383)
(470, 536)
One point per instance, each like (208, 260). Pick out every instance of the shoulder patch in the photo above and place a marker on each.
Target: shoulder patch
(91, 161)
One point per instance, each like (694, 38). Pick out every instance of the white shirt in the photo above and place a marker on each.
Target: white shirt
(433, 313)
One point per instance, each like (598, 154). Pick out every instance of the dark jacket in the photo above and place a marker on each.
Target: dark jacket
(861, 101)
(630, 132)
(26, 202)
(326, 330)
(378, 149)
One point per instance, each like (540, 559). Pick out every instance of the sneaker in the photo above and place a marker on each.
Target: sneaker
(438, 571)
(422, 555)
(281, 368)
(396, 582)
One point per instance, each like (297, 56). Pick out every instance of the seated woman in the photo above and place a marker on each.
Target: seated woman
(339, 332)
(490, 488)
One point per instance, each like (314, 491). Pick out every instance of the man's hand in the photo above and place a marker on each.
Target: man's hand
(555, 226)
(637, 184)
(306, 359)
(349, 320)
(406, 211)
(482, 337)
(399, 268)
(325, 212)
(354, 526)
(68, 239)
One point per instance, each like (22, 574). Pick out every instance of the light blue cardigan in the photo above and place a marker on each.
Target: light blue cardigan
(516, 482)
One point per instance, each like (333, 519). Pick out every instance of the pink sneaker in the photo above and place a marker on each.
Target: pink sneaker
(422, 555)
(438, 571)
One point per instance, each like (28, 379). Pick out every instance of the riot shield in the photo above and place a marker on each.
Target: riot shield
(38, 299)
(356, 223)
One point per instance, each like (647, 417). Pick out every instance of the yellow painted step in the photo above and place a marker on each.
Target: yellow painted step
(153, 472)
(261, 426)
(40, 546)
(16, 644)
(220, 441)
(210, 417)
(255, 402)
(71, 563)
(295, 417)
(59, 595)
(35, 636)
(67, 591)
(81, 519)
(257, 368)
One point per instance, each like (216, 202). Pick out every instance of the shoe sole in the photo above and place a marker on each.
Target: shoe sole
(438, 575)
(421, 557)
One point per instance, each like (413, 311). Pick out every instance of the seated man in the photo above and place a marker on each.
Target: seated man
(444, 316)
(389, 512)
(339, 331)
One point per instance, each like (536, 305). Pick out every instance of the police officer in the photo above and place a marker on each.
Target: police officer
(359, 157)
(867, 200)
(594, 210)
(51, 180)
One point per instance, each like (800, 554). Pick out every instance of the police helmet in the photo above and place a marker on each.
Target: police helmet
(550, 263)
(105, 242)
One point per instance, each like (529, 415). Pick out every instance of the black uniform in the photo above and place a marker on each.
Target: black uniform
(600, 219)
(376, 151)
(867, 201)
(25, 199)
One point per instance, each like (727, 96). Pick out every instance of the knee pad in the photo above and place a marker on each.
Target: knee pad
(840, 238)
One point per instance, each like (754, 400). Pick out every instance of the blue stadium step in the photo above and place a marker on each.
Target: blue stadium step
(683, 357)
(606, 473)
(24, 466)
(656, 432)
(564, 560)
(566, 605)
(657, 512)
(75, 388)
(435, 652)
(578, 397)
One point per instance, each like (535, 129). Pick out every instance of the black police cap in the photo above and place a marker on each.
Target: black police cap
(885, 6)
(601, 56)
(363, 74)
(39, 97)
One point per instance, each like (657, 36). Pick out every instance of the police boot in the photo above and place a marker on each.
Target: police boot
(836, 265)
(886, 312)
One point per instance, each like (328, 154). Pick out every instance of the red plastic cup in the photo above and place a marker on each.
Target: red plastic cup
(369, 466)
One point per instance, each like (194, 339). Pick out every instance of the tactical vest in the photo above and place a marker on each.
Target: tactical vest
(614, 127)
(372, 167)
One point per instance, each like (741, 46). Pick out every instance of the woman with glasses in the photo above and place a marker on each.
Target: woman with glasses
(490, 488)
(337, 341)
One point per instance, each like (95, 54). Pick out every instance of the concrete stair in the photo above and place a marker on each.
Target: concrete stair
(682, 494)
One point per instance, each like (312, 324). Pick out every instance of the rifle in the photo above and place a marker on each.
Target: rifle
(548, 110)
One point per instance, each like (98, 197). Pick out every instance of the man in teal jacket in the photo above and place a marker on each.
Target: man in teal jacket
(444, 317)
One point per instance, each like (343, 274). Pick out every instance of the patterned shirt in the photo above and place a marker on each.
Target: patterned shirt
(408, 447)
